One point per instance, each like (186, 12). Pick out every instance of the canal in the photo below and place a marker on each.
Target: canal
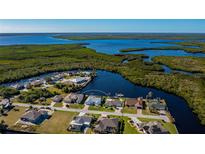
(111, 83)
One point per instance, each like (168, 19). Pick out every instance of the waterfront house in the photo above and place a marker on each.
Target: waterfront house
(156, 105)
(152, 127)
(79, 80)
(131, 102)
(35, 116)
(57, 77)
(140, 103)
(18, 86)
(28, 86)
(79, 123)
(107, 126)
(37, 83)
(86, 73)
(93, 100)
(72, 72)
(57, 98)
(113, 103)
(74, 98)
(5, 104)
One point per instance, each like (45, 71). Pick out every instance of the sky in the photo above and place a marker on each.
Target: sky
(102, 25)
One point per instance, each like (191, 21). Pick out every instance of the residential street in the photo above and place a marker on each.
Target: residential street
(165, 118)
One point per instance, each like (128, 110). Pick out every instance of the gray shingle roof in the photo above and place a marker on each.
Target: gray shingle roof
(107, 123)
(154, 127)
(32, 115)
(82, 120)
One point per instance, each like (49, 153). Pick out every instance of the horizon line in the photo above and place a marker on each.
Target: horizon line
(103, 32)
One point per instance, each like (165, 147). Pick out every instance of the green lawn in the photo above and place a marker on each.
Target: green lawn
(147, 112)
(57, 124)
(13, 116)
(131, 110)
(58, 105)
(101, 108)
(167, 125)
(55, 90)
(76, 106)
(128, 128)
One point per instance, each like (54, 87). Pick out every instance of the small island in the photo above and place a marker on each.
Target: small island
(191, 47)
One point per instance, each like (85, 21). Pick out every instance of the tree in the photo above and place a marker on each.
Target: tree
(7, 92)
(3, 125)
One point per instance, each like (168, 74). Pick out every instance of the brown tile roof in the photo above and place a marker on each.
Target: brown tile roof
(131, 102)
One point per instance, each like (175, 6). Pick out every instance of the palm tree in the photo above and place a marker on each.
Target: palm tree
(3, 125)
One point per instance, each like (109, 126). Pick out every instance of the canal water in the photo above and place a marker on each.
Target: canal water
(111, 83)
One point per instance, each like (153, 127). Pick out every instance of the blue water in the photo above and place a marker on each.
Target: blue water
(153, 53)
(168, 70)
(111, 83)
(30, 39)
(103, 46)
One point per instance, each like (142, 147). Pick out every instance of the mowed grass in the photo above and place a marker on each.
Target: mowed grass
(13, 116)
(57, 124)
(167, 125)
(128, 128)
(101, 108)
(147, 112)
(76, 106)
(130, 110)
(58, 105)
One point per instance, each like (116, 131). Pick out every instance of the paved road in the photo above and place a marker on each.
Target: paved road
(165, 118)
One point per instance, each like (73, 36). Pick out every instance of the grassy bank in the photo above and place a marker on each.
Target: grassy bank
(24, 61)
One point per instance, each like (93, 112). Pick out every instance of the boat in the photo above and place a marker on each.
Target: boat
(119, 94)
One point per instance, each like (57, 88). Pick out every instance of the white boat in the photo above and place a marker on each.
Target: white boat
(119, 94)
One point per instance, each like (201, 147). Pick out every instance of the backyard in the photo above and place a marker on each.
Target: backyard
(13, 116)
(57, 124)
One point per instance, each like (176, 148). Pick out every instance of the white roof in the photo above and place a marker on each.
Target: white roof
(78, 79)
(93, 99)
(4, 101)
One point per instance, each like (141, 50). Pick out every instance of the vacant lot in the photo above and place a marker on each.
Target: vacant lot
(131, 110)
(13, 116)
(76, 106)
(101, 108)
(57, 124)
(58, 105)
